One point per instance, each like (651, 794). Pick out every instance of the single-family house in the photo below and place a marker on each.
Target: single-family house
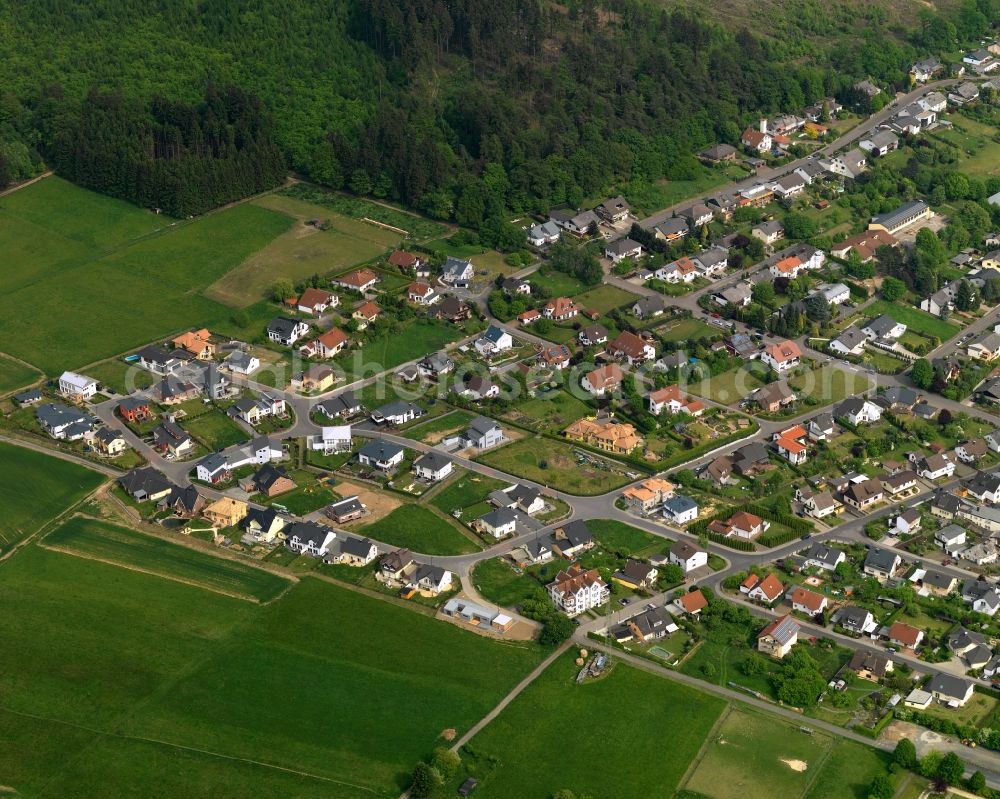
(382, 455)
(688, 556)
(782, 356)
(778, 637)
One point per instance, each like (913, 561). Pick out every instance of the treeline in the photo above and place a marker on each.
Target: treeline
(466, 109)
(179, 157)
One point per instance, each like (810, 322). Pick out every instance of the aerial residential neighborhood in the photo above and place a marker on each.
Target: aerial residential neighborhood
(335, 473)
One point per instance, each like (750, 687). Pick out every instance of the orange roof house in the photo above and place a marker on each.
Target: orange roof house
(197, 343)
(692, 602)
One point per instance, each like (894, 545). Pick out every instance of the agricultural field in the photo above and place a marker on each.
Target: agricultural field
(419, 529)
(602, 760)
(15, 375)
(177, 708)
(919, 321)
(555, 464)
(413, 226)
(138, 276)
(302, 251)
(215, 430)
(91, 538)
(828, 384)
(35, 488)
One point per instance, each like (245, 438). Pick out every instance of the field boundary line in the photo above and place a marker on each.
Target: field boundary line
(133, 568)
(819, 766)
(47, 528)
(172, 745)
(514, 692)
(703, 749)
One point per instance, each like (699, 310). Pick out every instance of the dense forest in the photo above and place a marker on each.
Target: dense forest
(181, 158)
(463, 108)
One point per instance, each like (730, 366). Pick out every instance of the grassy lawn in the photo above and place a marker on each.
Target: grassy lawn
(976, 140)
(215, 430)
(432, 431)
(883, 362)
(194, 674)
(421, 530)
(828, 384)
(649, 197)
(416, 227)
(416, 339)
(626, 539)
(685, 330)
(605, 298)
(551, 412)
(120, 376)
(602, 760)
(976, 711)
(35, 488)
(557, 284)
(308, 495)
(133, 550)
(14, 375)
(555, 464)
(133, 276)
(498, 582)
(729, 387)
(847, 771)
(302, 251)
(466, 490)
(919, 321)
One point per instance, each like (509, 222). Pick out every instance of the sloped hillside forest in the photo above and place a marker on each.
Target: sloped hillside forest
(464, 109)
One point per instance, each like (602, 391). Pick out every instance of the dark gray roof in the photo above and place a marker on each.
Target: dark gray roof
(947, 685)
(897, 216)
(379, 450)
(480, 426)
(881, 559)
(146, 480)
(432, 460)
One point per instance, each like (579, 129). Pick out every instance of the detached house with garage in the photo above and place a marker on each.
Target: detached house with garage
(494, 341)
(77, 387)
(603, 380)
(631, 348)
(688, 556)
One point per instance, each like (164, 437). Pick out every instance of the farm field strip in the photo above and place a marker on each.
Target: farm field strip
(130, 549)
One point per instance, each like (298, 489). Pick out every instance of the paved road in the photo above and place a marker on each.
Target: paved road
(773, 173)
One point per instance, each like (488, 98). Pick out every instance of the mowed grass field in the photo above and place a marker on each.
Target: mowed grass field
(419, 529)
(92, 538)
(176, 689)
(605, 298)
(215, 430)
(118, 275)
(914, 319)
(628, 734)
(828, 384)
(35, 488)
(14, 375)
(752, 755)
(729, 387)
(301, 251)
(554, 464)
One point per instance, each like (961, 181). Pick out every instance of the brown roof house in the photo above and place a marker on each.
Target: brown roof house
(778, 637)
